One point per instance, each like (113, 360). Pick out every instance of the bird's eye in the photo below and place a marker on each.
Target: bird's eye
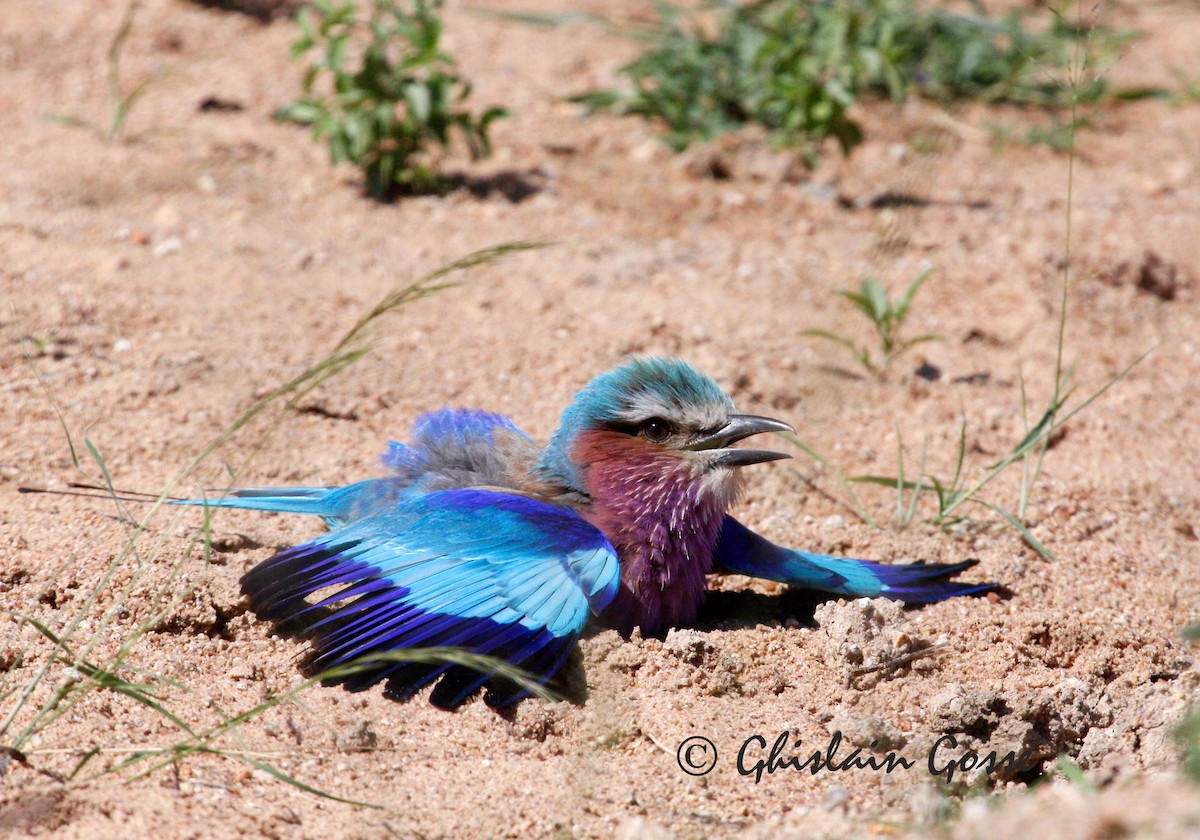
(656, 430)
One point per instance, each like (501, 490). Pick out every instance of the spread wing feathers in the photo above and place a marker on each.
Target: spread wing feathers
(742, 551)
(491, 573)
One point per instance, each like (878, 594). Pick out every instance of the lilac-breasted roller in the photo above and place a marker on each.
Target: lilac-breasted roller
(481, 539)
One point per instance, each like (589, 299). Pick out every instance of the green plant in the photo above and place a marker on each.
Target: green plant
(954, 495)
(92, 650)
(951, 496)
(120, 102)
(887, 316)
(1188, 736)
(1187, 733)
(796, 66)
(1189, 87)
(1074, 774)
(1058, 135)
(382, 110)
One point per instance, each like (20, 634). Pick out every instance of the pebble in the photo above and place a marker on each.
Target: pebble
(836, 797)
(170, 245)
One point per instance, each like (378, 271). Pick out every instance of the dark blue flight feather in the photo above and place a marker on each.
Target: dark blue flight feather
(489, 572)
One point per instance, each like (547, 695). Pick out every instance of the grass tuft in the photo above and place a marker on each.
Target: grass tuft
(120, 101)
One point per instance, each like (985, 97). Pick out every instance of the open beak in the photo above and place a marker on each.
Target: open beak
(739, 426)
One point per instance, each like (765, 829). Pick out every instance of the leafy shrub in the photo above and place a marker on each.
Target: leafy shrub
(796, 66)
(400, 96)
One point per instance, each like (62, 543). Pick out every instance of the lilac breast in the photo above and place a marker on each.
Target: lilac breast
(664, 524)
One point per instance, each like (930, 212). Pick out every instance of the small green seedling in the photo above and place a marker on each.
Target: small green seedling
(1187, 734)
(120, 101)
(1058, 135)
(1074, 774)
(887, 316)
(1189, 87)
(384, 110)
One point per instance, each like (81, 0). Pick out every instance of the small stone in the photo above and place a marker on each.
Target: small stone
(639, 828)
(870, 732)
(928, 372)
(836, 797)
(168, 218)
(645, 152)
(170, 245)
(112, 264)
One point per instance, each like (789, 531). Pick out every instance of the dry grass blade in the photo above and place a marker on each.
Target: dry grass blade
(858, 506)
(201, 743)
(29, 708)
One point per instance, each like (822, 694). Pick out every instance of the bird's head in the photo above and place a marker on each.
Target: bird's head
(655, 411)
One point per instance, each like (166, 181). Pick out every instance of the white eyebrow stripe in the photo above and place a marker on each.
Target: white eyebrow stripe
(647, 404)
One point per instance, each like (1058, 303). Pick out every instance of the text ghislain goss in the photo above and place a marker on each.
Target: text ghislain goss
(756, 759)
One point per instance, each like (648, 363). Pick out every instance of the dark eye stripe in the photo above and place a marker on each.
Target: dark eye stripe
(653, 429)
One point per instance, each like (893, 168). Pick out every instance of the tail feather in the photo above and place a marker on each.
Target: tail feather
(336, 505)
(311, 500)
(923, 582)
(741, 550)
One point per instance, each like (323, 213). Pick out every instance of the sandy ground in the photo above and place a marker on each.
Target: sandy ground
(157, 287)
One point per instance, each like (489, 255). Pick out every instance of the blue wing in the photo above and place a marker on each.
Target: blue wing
(492, 573)
(742, 551)
(452, 447)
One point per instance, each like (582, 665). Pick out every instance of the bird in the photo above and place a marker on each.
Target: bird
(480, 539)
